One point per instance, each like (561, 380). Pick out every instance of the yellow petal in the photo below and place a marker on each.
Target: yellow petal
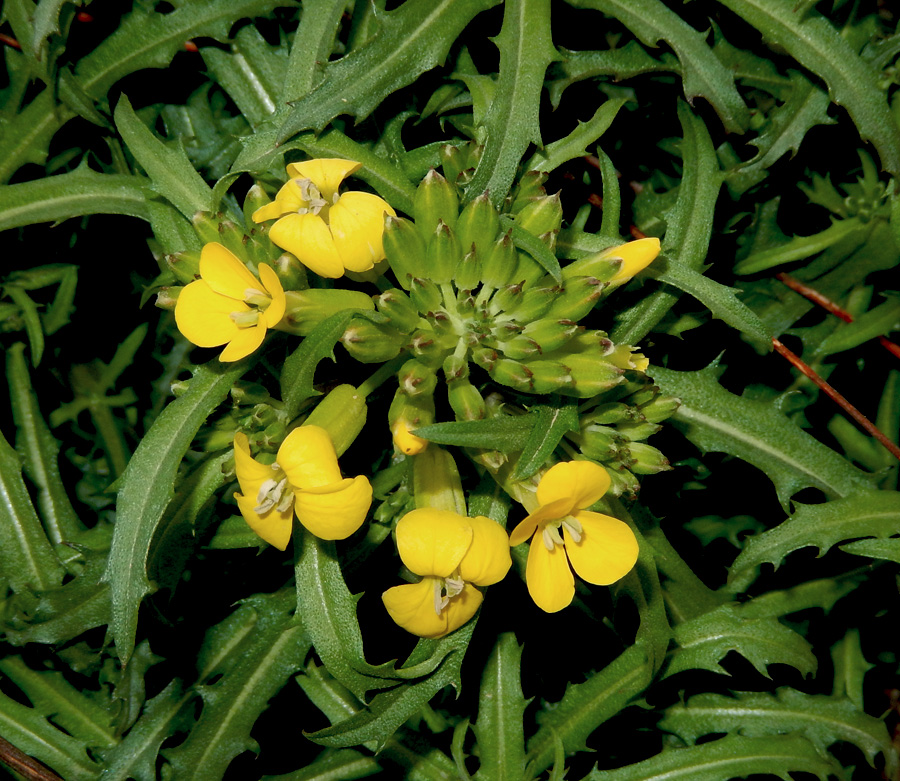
(308, 238)
(204, 316)
(462, 607)
(334, 512)
(487, 560)
(274, 527)
(223, 271)
(412, 608)
(636, 256)
(326, 173)
(548, 512)
(250, 473)
(607, 551)
(272, 285)
(584, 482)
(432, 542)
(308, 458)
(244, 342)
(271, 211)
(357, 224)
(548, 576)
(405, 441)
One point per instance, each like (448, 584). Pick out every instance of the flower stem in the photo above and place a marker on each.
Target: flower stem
(382, 374)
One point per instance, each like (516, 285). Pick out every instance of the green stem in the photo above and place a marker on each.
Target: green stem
(113, 442)
(385, 372)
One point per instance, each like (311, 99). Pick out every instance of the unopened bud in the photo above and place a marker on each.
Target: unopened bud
(498, 265)
(167, 297)
(244, 393)
(404, 249)
(425, 295)
(455, 367)
(577, 298)
(551, 377)
(369, 342)
(622, 482)
(442, 254)
(206, 226)
(184, 265)
(637, 430)
(342, 413)
(529, 271)
(291, 272)
(478, 225)
(617, 264)
(659, 408)
(415, 378)
(647, 459)
(551, 334)
(534, 305)
(435, 201)
(305, 309)
(465, 400)
(453, 161)
(591, 374)
(512, 374)
(520, 347)
(600, 442)
(541, 215)
(399, 309)
(507, 299)
(436, 481)
(255, 199)
(531, 186)
(609, 414)
(404, 416)
(468, 272)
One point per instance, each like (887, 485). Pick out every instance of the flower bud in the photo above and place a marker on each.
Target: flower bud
(465, 400)
(244, 392)
(435, 201)
(342, 413)
(455, 367)
(529, 271)
(616, 265)
(255, 199)
(305, 309)
(647, 459)
(577, 298)
(404, 249)
(541, 215)
(404, 416)
(291, 272)
(660, 407)
(425, 295)
(415, 378)
(369, 342)
(534, 304)
(468, 273)
(512, 374)
(485, 357)
(454, 161)
(591, 374)
(442, 254)
(622, 482)
(436, 481)
(206, 226)
(609, 414)
(551, 377)
(507, 299)
(478, 225)
(399, 309)
(551, 334)
(531, 185)
(167, 297)
(600, 443)
(520, 347)
(637, 430)
(184, 265)
(498, 264)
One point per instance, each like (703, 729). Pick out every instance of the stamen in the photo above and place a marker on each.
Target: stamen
(245, 319)
(438, 602)
(551, 538)
(256, 297)
(574, 527)
(310, 193)
(274, 493)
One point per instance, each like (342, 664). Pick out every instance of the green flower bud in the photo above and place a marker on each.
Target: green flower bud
(498, 265)
(369, 342)
(551, 377)
(256, 198)
(435, 201)
(244, 392)
(404, 249)
(206, 226)
(519, 348)
(399, 309)
(425, 295)
(305, 309)
(541, 215)
(512, 374)
(647, 459)
(609, 414)
(342, 413)
(637, 430)
(578, 297)
(180, 387)
(591, 375)
(291, 272)
(473, 154)
(415, 378)
(167, 297)
(535, 303)
(644, 394)
(478, 225)
(600, 443)
(465, 400)
(455, 367)
(551, 334)
(184, 265)
(485, 357)
(529, 272)
(531, 186)
(442, 254)
(659, 408)
(231, 236)
(273, 435)
(468, 272)
(454, 161)
(622, 482)
(507, 299)
(431, 347)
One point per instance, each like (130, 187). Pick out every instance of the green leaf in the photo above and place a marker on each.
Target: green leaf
(550, 425)
(702, 73)
(512, 123)
(170, 171)
(507, 432)
(585, 706)
(341, 765)
(147, 487)
(865, 514)
(889, 549)
(821, 719)
(31, 318)
(814, 42)
(79, 192)
(718, 421)
(410, 40)
(731, 757)
(499, 730)
(540, 252)
(704, 641)
(313, 45)
(879, 321)
(850, 668)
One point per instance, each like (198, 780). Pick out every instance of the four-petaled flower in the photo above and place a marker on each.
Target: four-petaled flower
(328, 232)
(228, 305)
(453, 554)
(305, 479)
(601, 549)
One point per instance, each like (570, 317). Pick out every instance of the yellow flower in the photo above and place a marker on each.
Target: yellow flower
(453, 554)
(635, 255)
(228, 305)
(329, 233)
(305, 479)
(600, 549)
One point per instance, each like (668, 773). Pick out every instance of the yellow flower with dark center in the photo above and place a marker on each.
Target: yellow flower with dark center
(600, 549)
(328, 232)
(453, 554)
(305, 481)
(228, 305)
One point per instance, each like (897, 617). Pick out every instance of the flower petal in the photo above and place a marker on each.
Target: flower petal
(334, 512)
(308, 238)
(273, 287)
(274, 527)
(326, 173)
(583, 482)
(223, 271)
(433, 542)
(462, 607)
(635, 255)
(548, 512)
(204, 316)
(308, 458)
(607, 551)
(357, 224)
(244, 342)
(412, 607)
(250, 473)
(487, 561)
(547, 574)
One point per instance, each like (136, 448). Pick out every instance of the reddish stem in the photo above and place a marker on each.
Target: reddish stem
(838, 398)
(10, 41)
(26, 766)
